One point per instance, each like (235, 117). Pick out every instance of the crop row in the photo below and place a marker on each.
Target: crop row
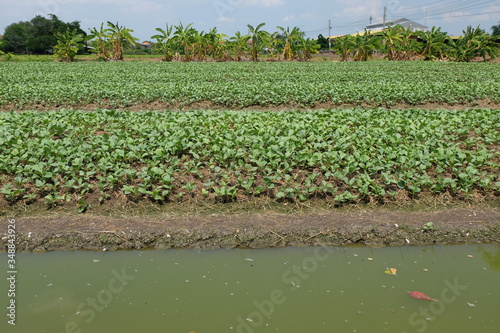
(345, 155)
(25, 85)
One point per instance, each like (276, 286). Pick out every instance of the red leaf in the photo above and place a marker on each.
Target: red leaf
(419, 295)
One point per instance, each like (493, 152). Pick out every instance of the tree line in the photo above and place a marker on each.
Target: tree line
(37, 36)
(185, 43)
(399, 43)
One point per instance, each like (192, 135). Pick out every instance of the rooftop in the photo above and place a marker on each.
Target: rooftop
(404, 22)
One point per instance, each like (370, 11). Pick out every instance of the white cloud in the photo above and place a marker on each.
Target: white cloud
(262, 3)
(140, 6)
(225, 19)
(292, 17)
(362, 9)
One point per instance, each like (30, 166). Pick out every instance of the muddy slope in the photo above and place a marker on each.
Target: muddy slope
(368, 227)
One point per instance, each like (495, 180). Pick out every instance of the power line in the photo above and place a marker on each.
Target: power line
(447, 9)
(429, 6)
(462, 8)
(476, 14)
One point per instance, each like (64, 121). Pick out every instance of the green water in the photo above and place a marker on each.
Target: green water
(275, 290)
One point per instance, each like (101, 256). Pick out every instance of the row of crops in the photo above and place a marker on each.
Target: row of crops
(235, 85)
(342, 155)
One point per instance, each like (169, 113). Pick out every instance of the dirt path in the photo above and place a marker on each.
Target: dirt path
(371, 227)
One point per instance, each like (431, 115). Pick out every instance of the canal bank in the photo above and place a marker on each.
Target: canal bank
(363, 227)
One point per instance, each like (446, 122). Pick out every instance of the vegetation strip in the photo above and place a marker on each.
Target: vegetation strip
(351, 155)
(185, 43)
(239, 85)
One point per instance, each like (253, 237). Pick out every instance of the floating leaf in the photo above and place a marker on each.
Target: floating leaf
(391, 271)
(419, 295)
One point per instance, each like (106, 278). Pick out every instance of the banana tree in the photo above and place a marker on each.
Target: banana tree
(343, 47)
(474, 43)
(120, 37)
(259, 38)
(67, 45)
(200, 45)
(100, 40)
(290, 37)
(488, 47)
(239, 44)
(434, 43)
(184, 36)
(392, 39)
(409, 47)
(308, 46)
(276, 44)
(364, 45)
(164, 42)
(481, 43)
(495, 30)
(217, 45)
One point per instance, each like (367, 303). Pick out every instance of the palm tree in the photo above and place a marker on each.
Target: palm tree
(434, 43)
(185, 36)
(67, 44)
(101, 41)
(364, 44)
(120, 37)
(239, 44)
(258, 37)
(164, 43)
(344, 46)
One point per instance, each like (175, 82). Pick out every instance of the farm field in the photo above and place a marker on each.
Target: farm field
(149, 85)
(139, 138)
(340, 155)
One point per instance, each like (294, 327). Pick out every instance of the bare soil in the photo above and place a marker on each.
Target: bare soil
(208, 105)
(375, 227)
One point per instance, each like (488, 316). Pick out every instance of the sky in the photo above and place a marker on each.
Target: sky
(228, 16)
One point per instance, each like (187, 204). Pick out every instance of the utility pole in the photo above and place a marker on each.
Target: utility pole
(383, 22)
(329, 36)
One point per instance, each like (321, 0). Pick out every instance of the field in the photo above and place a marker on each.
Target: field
(147, 85)
(341, 133)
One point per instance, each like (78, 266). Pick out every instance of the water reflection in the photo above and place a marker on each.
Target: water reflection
(492, 257)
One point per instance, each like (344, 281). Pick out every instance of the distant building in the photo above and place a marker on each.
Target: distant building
(377, 28)
(146, 45)
(404, 22)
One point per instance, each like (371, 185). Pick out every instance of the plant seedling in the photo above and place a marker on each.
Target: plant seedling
(429, 226)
